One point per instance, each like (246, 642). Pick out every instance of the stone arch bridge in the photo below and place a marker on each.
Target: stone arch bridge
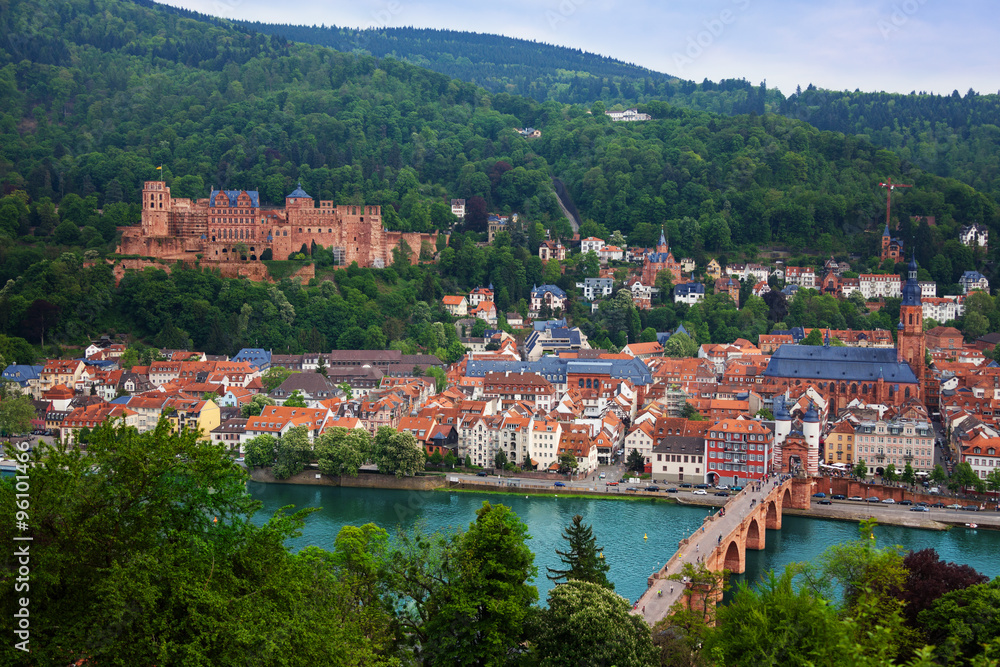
(723, 539)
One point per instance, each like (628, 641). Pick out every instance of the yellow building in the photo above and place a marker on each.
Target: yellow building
(193, 415)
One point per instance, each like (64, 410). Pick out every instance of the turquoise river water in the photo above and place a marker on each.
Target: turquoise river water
(637, 536)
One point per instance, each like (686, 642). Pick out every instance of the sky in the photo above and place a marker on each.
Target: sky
(934, 46)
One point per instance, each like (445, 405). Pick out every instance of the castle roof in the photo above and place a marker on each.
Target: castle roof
(298, 192)
(232, 195)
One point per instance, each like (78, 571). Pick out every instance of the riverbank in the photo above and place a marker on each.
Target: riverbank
(567, 492)
(364, 480)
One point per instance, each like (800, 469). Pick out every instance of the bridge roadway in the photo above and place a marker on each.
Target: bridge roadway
(721, 542)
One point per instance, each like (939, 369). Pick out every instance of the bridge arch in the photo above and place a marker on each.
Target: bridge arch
(755, 535)
(772, 519)
(786, 497)
(734, 559)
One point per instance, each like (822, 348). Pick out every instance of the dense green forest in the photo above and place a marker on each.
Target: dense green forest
(949, 134)
(98, 93)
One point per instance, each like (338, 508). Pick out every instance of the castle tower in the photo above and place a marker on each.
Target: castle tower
(886, 240)
(155, 208)
(911, 346)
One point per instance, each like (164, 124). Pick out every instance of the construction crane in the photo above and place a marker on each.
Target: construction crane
(889, 187)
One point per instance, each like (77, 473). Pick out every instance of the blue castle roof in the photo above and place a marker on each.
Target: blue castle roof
(841, 364)
(232, 195)
(298, 192)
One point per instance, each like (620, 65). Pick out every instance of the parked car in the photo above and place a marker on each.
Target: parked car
(922, 504)
(699, 486)
(954, 506)
(559, 484)
(631, 488)
(888, 501)
(722, 487)
(839, 496)
(673, 490)
(737, 489)
(612, 483)
(856, 499)
(652, 488)
(603, 475)
(919, 508)
(937, 505)
(819, 495)
(688, 486)
(825, 501)
(871, 499)
(971, 508)
(480, 474)
(722, 493)
(905, 502)
(700, 492)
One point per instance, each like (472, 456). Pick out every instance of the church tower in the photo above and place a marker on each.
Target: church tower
(911, 346)
(662, 246)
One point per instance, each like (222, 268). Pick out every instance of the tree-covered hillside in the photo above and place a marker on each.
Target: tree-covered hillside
(949, 135)
(98, 93)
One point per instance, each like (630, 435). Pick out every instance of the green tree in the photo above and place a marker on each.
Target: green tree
(635, 462)
(16, 413)
(500, 459)
(584, 560)
(478, 617)
(938, 474)
(889, 473)
(397, 453)
(255, 405)
(129, 359)
(815, 337)
(134, 534)
(341, 451)
(860, 469)
(346, 388)
(648, 335)
(568, 462)
(588, 624)
(909, 475)
(680, 345)
(295, 400)
(963, 476)
(261, 451)
(775, 623)
(274, 377)
(292, 451)
(962, 623)
(691, 413)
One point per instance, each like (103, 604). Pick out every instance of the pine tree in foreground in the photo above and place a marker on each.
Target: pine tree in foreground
(584, 560)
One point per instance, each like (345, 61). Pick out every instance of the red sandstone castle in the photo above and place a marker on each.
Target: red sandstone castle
(232, 225)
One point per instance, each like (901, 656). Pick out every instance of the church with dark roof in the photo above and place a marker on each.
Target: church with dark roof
(658, 260)
(872, 375)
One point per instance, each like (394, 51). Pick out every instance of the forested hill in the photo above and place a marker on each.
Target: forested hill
(97, 93)
(495, 62)
(531, 69)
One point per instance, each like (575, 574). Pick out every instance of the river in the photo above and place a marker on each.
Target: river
(637, 536)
